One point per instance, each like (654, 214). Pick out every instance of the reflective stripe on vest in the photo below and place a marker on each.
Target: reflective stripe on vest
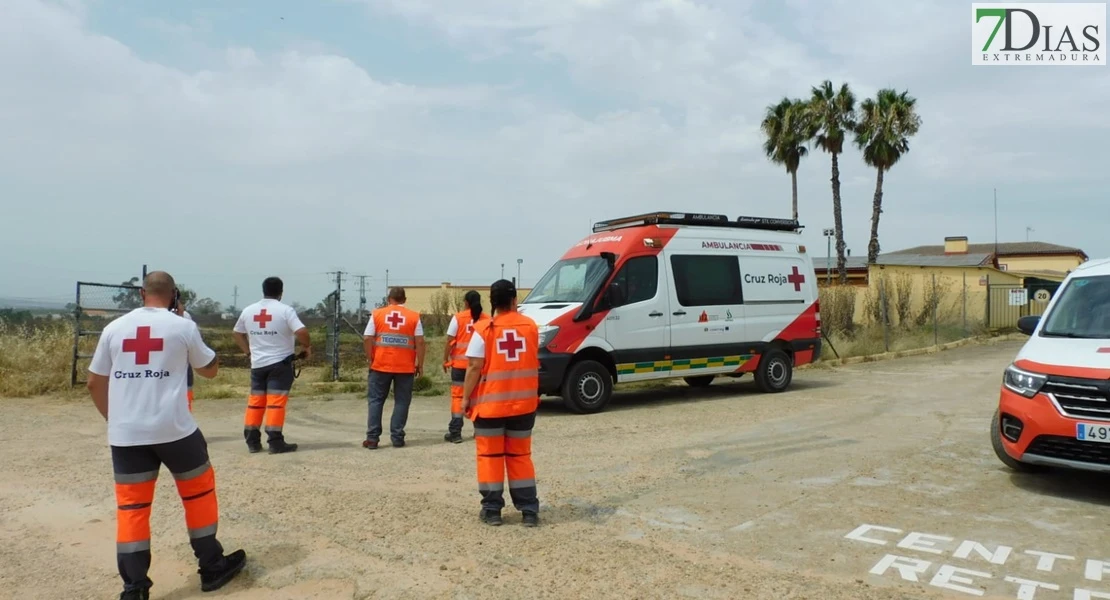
(394, 349)
(509, 385)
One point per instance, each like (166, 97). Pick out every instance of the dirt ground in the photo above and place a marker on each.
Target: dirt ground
(675, 493)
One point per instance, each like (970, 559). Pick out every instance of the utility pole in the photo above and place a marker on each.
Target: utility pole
(235, 298)
(1028, 230)
(361, 297)
(336, 317)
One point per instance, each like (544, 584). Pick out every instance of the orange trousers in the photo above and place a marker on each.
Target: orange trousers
(136, 472)
(268, 399)
(504, 447)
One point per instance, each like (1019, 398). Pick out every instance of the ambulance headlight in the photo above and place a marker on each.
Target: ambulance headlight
(547, 335)
(1023, 382)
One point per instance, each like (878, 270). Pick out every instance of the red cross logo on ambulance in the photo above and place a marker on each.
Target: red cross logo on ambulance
(794, 278)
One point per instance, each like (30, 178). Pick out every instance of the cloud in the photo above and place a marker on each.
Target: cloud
(441, 182)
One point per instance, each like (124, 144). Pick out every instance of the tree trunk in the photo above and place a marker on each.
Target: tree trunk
(876, 210)
(794, 187)
(838, 224)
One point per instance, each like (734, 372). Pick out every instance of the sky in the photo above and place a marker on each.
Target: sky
(436, 139)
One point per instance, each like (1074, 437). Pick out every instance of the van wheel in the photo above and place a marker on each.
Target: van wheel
(699, 380)
(587, 388)
(1000, 450)
(774, 372)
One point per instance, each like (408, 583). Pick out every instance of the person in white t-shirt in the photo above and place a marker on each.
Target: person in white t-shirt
(137, 379)
(266, 331)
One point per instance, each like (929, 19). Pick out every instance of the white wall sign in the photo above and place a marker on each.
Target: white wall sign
(1019, 296)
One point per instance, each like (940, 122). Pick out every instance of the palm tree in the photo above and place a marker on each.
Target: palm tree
(886, 124)
(787, 128)
(834, 115)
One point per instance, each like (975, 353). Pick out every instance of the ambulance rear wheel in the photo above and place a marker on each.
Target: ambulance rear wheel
(587, 387)
(775, 371)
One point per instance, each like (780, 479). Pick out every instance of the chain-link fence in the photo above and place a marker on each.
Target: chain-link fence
(94, 306)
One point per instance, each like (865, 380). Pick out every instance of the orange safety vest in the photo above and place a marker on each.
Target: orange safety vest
(462, 337)
(510, 380)
(395, 339)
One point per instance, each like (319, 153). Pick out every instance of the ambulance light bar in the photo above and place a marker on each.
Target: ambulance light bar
(699, 219)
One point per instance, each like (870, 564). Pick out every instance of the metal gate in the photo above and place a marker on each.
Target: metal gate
(1006, 303)
(96, 305)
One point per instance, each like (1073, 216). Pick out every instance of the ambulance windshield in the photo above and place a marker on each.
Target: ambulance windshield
(1082, 310)
(570, 280)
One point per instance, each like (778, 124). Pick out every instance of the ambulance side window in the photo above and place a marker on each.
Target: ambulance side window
(638, 279)
(707, 280)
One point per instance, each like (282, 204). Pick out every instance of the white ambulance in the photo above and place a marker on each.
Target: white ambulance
(666, 295)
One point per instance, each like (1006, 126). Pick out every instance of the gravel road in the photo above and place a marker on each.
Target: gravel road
(871, 481)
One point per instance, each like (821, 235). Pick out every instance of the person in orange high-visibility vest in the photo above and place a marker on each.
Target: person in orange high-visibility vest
(459, 332)
(394, 344)
(501, 395)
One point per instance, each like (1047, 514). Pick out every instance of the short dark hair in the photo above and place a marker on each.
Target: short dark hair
(501, 294)
(397, 293)
(272, 287)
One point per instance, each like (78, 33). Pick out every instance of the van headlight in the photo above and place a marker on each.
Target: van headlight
(547, 334)
(1023, 382)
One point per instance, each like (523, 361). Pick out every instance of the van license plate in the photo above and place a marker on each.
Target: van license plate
(1090, 432)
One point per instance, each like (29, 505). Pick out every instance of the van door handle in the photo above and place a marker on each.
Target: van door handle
(678, 313)
(655, 314)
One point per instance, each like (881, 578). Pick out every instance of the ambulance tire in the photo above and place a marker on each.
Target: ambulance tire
(775, 371)
(699, 380)
(1000, 450)
(587, 387)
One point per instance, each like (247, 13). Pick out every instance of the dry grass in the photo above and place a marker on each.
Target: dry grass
(35, 360)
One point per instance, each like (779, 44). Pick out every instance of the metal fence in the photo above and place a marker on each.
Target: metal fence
(95, 305)
(1006, 303)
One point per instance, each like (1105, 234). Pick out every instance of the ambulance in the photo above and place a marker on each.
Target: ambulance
(1054, 403)
(666, 295)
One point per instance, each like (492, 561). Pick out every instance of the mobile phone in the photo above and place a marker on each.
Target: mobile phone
(176, 300)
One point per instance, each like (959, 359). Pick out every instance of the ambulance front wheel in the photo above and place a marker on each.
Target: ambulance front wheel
(587, 387)
(775, 371)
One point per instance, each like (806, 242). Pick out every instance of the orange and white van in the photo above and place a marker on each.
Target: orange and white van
(667, 295)
(1054, 406)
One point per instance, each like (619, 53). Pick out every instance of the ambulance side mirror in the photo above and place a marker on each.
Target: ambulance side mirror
(1028, 324)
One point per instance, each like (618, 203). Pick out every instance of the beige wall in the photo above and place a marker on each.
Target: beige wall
(420, 297)
(1062, 264)
(915, 284)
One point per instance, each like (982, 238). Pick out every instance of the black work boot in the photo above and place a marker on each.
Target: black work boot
(280, 446)
(214, 579)
(254, 440)
(455, 437)
(490, 517)
(139, 594)
(531, 519)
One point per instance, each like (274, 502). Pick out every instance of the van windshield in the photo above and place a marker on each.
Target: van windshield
(570, 280)
(1082, 310)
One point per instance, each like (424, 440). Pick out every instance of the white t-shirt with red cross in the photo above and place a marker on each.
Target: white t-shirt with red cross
(269, 325)
(145, 355)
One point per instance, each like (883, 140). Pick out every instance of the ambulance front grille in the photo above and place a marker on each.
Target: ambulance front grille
(1080, 398)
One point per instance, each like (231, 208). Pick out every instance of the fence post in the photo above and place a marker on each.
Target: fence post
(964, 304)
(76, 335)
(936, 301)
(988, 308)
(882, 303)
